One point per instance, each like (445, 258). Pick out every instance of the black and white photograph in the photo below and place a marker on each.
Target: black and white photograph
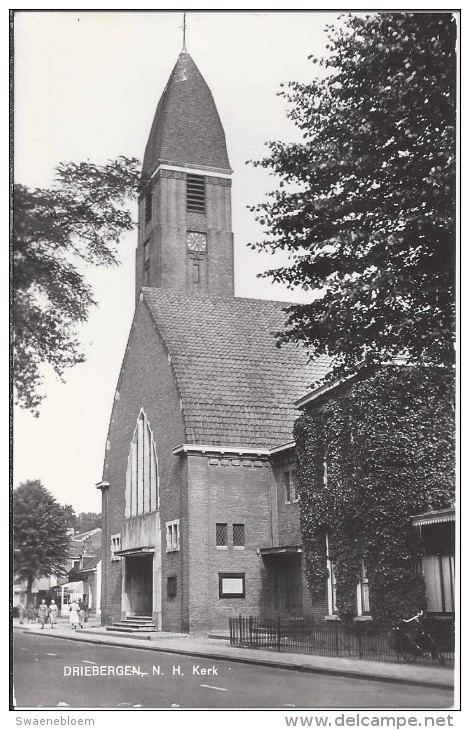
(234, 363)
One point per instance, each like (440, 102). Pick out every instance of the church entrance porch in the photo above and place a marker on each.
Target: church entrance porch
(137, 593)
(284, 565)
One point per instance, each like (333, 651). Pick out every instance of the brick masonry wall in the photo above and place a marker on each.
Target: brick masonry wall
(288, 512)
(146, 381)
(227, 490)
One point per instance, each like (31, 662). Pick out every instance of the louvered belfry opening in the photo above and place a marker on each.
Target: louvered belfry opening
(195, 194)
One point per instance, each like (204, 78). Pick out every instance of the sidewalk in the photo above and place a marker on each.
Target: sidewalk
(211, 648)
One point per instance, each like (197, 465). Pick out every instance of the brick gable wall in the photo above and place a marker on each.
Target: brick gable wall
(146, 381)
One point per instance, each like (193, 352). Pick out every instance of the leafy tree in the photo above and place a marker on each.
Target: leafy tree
(40, 539)
(70, 516)
(79, 221)
(366, 203)
(88, 521)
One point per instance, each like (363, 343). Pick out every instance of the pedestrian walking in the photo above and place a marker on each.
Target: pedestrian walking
(81, 613)
(53, 611)
(43, 612)
(31, 614)
(73, 615)
(21, 611)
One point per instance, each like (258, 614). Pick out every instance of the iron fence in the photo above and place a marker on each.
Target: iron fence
(431, 644)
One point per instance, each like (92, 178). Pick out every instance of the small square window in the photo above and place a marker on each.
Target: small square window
(171, 586)
(231, 585)
(221, 534)
(172, 536)
(238, 535)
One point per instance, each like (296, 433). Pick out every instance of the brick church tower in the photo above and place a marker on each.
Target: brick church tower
(185, 220)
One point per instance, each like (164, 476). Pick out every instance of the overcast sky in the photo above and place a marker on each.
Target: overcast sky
(86, 87)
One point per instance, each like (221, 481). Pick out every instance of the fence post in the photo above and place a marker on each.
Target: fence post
(336, 639)
(279, 633)
(241, 628)
(230, 630)
(250, 625)
(361, 654)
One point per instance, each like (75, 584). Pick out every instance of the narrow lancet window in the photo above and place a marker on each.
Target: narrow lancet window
(142, 471)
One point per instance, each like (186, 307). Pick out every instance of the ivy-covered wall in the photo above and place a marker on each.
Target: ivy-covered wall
(369, 455)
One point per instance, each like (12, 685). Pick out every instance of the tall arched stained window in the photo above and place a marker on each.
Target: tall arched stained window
(142, 472)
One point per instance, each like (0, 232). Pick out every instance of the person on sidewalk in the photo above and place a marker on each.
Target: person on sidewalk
(31, 614)
(73, 615)
(21, 611)
(43, 612)
(81, 613)
(53, 611)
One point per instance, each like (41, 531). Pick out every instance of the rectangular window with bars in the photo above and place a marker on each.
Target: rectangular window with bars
(171, 586)
(290, 486)
(221, 535)
(148, 206)
(287, 485)
(238, 535)
(195, 194)
(294, 485)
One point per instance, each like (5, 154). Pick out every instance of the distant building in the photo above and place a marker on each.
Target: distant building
(83, 581)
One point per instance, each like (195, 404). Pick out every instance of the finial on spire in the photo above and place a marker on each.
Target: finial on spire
(183, 50)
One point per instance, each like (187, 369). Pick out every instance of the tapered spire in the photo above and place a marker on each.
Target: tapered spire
(186, 129)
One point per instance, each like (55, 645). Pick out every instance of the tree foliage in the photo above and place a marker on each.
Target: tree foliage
(40, 538)
(373, 454)
(82, 522)
(57, 233)
(87, 521)
(366, 203)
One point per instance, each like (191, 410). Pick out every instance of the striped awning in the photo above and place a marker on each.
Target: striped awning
(72, 587)
(434, 517)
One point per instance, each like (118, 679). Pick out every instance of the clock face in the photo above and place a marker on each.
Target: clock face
(196, 241)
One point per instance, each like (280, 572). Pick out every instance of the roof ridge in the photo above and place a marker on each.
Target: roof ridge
(172, 292)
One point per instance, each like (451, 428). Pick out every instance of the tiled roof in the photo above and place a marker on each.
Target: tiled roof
(237, 388)
(91, 561)
(186, 129)
(80, 537)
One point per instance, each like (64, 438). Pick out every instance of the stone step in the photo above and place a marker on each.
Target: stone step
(131, 622)
(124, 628)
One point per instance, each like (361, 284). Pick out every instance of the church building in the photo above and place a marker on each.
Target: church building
(199, 497)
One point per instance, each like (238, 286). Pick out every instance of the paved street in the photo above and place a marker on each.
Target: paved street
(50, 671)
